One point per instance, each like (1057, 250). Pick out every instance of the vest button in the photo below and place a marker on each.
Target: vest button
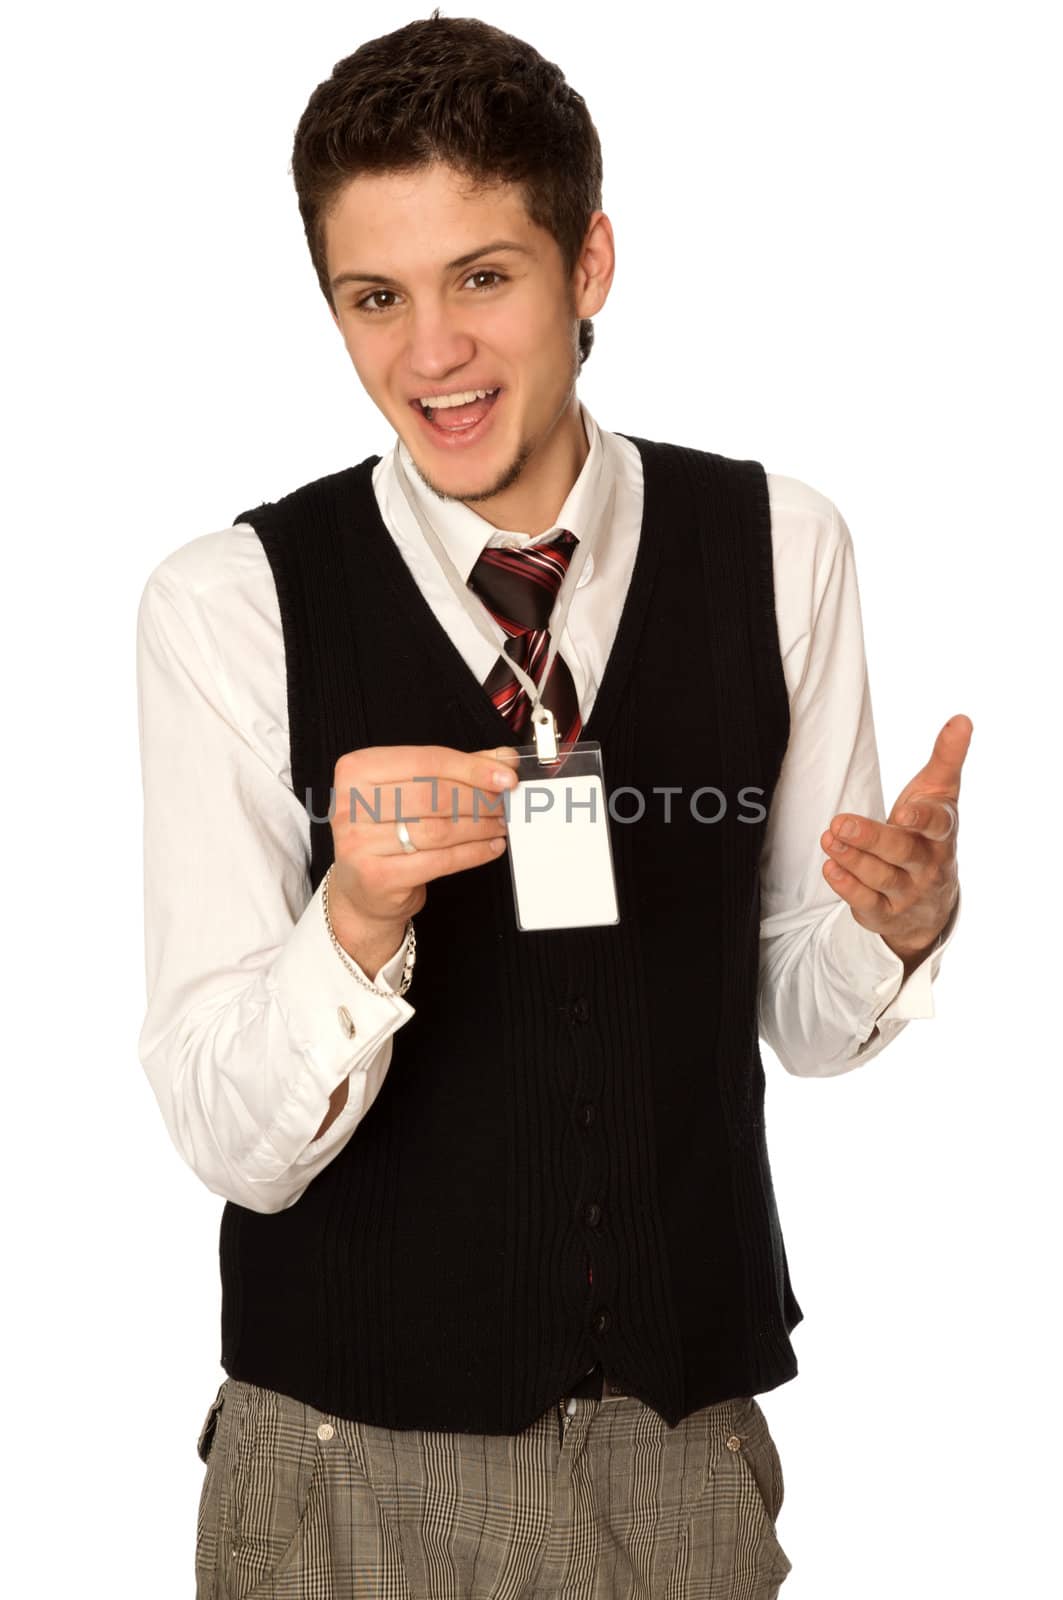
(580, 1010)
(601, 1322)
(587, 1114)
(734, 1442)
(592, 1215)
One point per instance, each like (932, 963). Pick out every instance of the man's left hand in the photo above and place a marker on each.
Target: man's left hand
(899, 877)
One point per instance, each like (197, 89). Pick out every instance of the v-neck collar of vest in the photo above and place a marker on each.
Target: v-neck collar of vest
(452, 665)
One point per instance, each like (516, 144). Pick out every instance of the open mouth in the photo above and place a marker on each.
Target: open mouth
(458, 423)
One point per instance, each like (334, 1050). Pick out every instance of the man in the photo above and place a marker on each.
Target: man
(502, 1271)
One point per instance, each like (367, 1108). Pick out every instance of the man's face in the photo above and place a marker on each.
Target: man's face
(417, 326)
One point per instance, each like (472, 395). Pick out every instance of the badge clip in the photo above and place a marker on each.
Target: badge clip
(545, 735)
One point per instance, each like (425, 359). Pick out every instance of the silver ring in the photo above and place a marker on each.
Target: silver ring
(404, 838)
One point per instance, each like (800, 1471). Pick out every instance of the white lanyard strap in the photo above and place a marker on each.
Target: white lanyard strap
(477, 612)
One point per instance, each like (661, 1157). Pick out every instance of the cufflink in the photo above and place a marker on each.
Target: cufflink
(345, 1021)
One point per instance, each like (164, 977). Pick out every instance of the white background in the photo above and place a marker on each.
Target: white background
(836, 254)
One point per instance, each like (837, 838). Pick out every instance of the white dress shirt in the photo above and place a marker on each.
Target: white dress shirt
(242, 1041)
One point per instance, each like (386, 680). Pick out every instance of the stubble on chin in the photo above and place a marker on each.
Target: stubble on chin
(505, 480)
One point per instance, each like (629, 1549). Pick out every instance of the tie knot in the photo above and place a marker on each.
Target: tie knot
(519, 587)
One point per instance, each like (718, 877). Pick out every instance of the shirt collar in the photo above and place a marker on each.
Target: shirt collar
(464, 533)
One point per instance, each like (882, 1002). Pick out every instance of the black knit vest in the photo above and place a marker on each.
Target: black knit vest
(590, 1098)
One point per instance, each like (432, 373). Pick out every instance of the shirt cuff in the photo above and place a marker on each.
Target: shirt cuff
(316, 993)
(875, 974)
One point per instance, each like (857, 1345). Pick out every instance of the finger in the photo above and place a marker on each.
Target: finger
(420, 797)
(901, 847)
(870, 904)
(890, 880)
(425, 865)
(933, 817)
(435, 833)
(384, 765)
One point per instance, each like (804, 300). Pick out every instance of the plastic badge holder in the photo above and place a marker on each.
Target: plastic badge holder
(560, 856)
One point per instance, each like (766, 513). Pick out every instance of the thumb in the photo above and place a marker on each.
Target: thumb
(942, 771)
(504, 752)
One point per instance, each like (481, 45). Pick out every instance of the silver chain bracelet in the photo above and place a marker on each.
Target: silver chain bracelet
(411, 950)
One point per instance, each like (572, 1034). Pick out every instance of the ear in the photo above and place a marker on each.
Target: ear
(593, 273)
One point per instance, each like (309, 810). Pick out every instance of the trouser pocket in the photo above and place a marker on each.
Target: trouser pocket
(755, 1458)
(211, 1449)
(272, 1487)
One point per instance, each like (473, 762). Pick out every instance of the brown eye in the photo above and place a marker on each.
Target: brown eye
(374, 294)
(486, 272)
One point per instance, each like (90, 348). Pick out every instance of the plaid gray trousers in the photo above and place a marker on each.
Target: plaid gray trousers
(605, 1503)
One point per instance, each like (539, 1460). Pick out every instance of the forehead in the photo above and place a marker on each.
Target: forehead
(404, 221)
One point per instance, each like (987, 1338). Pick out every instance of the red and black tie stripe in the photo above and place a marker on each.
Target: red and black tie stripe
(519, 588)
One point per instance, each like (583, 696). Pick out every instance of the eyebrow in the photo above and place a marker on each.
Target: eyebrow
(493, 248)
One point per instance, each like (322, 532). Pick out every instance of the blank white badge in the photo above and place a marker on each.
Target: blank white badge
(559, 853)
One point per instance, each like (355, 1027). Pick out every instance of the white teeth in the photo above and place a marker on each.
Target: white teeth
(441, 401)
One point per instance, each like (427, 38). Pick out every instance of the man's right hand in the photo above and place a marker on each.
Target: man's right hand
(452, 804)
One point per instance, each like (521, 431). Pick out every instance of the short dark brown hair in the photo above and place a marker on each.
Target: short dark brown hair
(458, 90)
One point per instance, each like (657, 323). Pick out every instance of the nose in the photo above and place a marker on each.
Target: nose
(437, 346)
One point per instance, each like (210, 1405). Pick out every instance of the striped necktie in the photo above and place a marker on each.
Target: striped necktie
(519, 588)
